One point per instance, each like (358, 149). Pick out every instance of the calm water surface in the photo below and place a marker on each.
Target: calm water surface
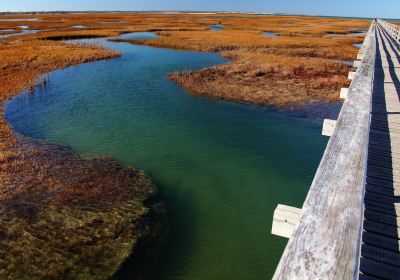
(222, 167)
(270, 34)
(217, 27)
(23, 32)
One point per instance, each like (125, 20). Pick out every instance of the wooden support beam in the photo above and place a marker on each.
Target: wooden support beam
(285, 220)
(351, 75)
(344, 93)
(328, 128)
(357, 63)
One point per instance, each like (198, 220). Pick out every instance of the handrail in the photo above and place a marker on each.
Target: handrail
(392, 29)
(325, 243)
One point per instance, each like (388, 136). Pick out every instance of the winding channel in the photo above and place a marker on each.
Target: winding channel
(221, 167)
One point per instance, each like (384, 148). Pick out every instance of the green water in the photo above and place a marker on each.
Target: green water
(222, 167)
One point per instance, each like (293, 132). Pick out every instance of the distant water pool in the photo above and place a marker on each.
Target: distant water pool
(270, 34)
(222, 167)
(139, 35)
(217, 27)
(79, 26)
(19, 19)
(23, 32)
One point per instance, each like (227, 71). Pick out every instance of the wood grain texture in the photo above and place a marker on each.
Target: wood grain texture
(326, 241)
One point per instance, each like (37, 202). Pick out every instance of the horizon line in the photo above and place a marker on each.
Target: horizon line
(186, 11)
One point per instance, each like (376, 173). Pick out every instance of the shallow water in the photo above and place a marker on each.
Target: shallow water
(19, 19)
(222, 167)
(358, 29)
(217, 27)
(270, 34)
(23, 32)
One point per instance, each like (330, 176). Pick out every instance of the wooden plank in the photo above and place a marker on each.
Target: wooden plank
(382, 229)
(380, 255)
(380, 217)
(383, 208)
(382, 183)
(384, 170)
(380, 176)
(385, 160)
(357, 63)
(285, 220)
(344, 93)
(351, 75)
(396, 134)
(381, 190)
(367, 277)
(377, 151)
(380, 270)
(325, 243)
(390, 200)
(382, 163)
(384, 242)
(328, 127)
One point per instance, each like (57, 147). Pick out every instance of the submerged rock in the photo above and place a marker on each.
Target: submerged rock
(64, 217)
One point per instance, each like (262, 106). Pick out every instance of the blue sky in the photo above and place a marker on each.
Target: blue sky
(357, 8)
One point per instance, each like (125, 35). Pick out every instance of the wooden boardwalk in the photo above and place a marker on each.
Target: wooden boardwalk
(349, 225)
(380, 257)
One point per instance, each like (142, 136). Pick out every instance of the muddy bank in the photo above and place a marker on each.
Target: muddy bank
(63, 216)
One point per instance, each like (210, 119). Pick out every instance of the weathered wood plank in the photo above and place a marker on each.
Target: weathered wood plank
(285, 220)
(392, 244)
(380, 270)
(389, 200)
(382, 207)
(380, 217)
(367, 277)
(325, 243)
(380, 255)
(382, 183)
(382, 229)
(382, 190)
(328, 127)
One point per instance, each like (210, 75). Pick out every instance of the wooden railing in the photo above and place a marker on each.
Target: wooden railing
(325, 242)
(392, 29)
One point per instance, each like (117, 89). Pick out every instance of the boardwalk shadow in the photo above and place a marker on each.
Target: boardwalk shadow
(380, 241)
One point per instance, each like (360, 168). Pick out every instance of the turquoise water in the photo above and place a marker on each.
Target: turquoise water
(222, 167)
